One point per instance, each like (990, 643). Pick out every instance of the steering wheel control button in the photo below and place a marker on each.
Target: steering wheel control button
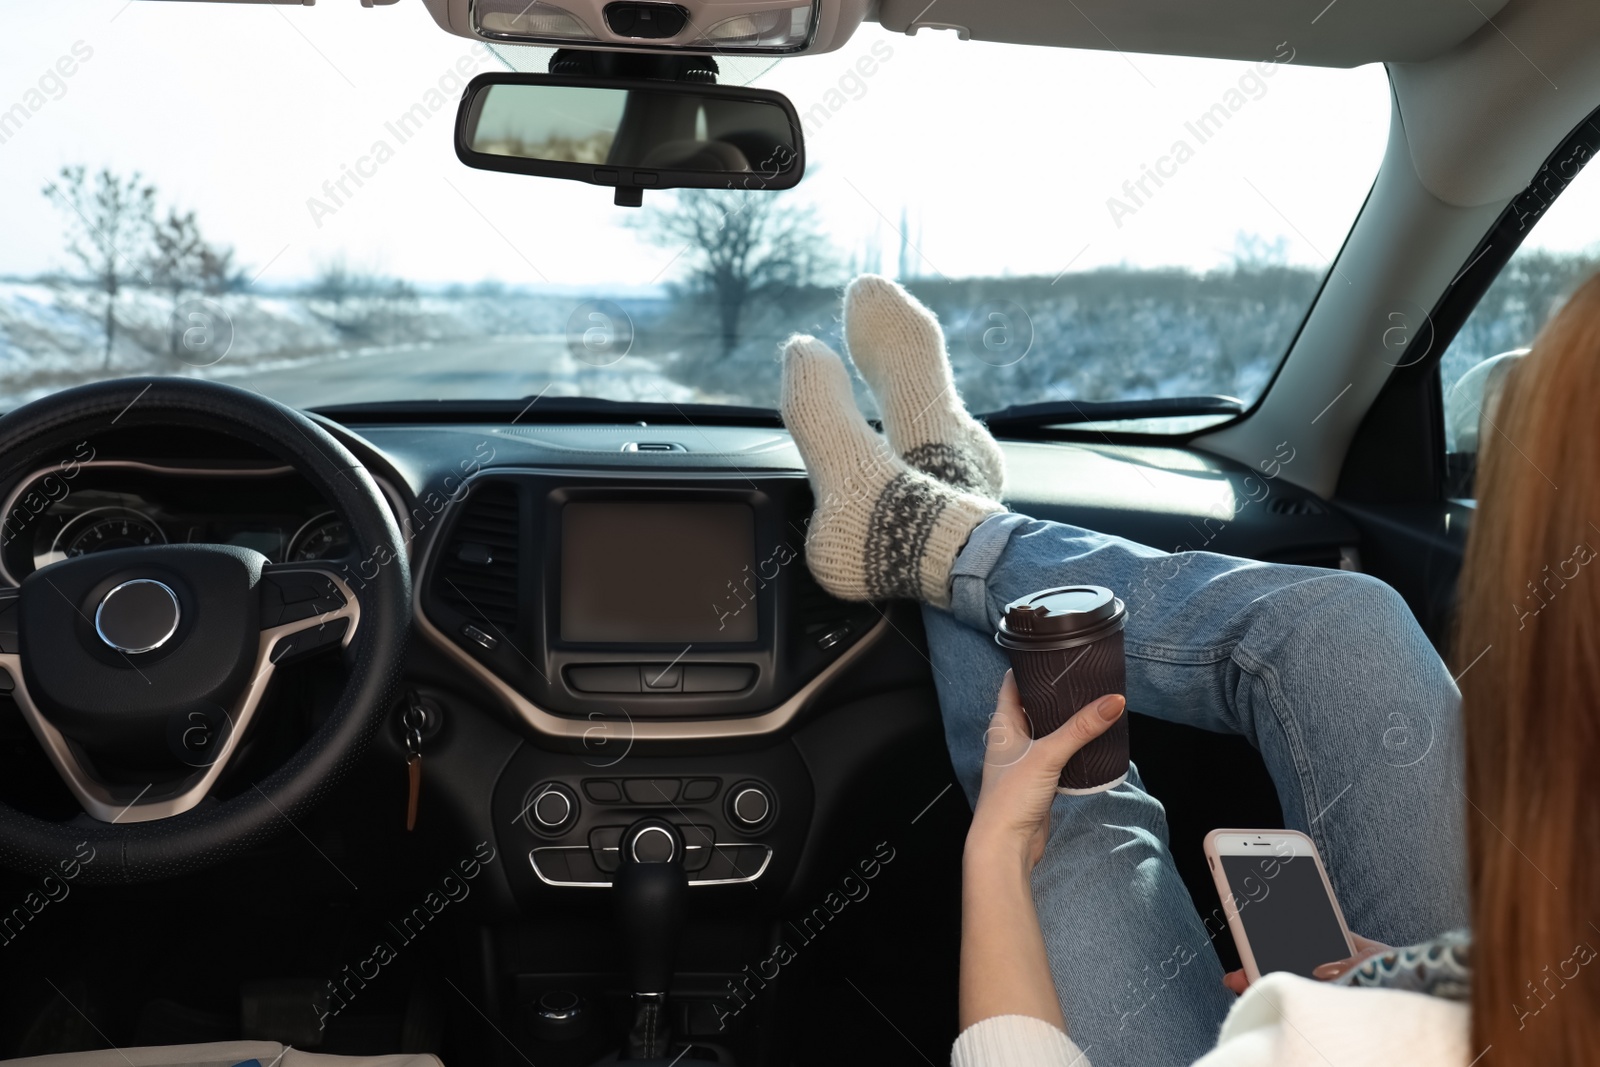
(303, 643)
(601, 791)
(296, 596)
(653, 844)
(651, 790)
(551, 808)
(750, 807)
(700, 789)
(137, 616)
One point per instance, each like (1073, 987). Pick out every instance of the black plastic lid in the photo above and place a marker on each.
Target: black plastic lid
(1063, 617)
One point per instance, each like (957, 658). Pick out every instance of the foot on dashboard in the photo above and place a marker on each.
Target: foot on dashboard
(881, 530)
(897, 345)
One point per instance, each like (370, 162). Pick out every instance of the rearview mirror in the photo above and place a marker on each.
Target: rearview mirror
(633, 135)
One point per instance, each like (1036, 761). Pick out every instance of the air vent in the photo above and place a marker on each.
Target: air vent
(1296, 505)
(477, 572)
(816, 612)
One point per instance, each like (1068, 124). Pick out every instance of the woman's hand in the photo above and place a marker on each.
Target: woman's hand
(1004, 969)
(1020, 772)
(1366, 948)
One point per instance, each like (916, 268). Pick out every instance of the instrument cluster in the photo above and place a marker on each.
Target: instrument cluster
(96, 506)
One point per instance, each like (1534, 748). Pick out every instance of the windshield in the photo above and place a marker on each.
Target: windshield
(269, 196)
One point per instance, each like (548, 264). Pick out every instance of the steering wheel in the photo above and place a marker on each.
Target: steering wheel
(140, 669)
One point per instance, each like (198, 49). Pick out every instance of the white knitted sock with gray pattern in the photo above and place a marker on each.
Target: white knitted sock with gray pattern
(881, 530)
(897, 345)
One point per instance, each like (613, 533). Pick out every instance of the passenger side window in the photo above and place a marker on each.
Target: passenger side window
(1556, 257)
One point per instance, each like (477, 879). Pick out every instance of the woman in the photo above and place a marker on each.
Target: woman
(1529, 623)
(1312, 666)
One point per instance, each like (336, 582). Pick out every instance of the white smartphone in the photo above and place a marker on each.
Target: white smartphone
(1278, 900)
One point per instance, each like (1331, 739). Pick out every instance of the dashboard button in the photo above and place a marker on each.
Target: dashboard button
(551, 864)
(651, 790)
(605, 843)
(552, 809)
(657, 676)
(581, 867)
(714, 679)
(734, 863)
(701, 789)
(751, 805)
(602, 792)
(697, 845)
(604, 679)
(472, 633)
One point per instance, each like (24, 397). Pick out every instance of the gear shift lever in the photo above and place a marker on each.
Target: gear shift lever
(651, 890)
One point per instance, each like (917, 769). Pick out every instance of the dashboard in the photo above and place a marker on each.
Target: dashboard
(618, 650)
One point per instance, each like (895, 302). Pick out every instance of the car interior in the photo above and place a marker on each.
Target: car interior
(401, 727)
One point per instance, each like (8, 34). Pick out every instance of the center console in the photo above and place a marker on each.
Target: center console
(622, 615)
(699, 750)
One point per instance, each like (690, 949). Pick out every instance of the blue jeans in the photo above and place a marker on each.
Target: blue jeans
(1325, 672)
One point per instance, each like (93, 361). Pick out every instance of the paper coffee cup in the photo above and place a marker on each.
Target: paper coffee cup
(1066, 651)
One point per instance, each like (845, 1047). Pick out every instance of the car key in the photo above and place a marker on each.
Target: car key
(412, 722)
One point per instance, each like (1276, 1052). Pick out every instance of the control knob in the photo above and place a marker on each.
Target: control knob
(750, 806)
(553, 807)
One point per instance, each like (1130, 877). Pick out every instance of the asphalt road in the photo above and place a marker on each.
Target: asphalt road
(502, 368)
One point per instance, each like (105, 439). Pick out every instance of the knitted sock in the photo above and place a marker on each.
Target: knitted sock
(897, 345)
(881, 530)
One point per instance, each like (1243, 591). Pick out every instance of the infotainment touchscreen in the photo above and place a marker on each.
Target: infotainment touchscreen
(648, 573)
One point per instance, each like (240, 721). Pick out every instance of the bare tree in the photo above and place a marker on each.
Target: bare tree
(175, 264)
(335, 282)
(108, 226)
(739, 245)
(218, 272)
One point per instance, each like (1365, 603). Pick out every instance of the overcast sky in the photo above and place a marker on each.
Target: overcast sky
(1002, 158)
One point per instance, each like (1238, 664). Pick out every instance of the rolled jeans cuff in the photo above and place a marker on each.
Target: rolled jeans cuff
(969, 578)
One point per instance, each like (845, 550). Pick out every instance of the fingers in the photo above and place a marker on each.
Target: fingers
(1009, 706)
(1009, 737)
(1088, 723)
(1236, 981)
(1366, 949)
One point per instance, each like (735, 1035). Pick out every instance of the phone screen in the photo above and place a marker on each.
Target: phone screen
(1286, 913)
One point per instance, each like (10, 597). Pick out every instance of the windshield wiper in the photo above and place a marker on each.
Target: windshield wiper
(1067, 412)
(537, 408)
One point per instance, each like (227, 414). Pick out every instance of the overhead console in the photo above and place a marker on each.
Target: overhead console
(590, 596)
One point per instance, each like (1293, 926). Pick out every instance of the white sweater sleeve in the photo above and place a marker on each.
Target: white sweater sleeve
(1281, 1021)
(1015, 1041)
